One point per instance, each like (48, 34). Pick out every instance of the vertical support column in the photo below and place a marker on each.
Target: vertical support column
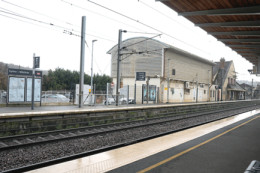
(197, 89)
(252, 89)
(135, 93)
(168, 82)
(82, 61)
(118, 65)
(33, 82)
(147, 90)
(91, 83)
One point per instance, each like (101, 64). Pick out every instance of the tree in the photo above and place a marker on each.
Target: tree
(3, 76)
(61, 79)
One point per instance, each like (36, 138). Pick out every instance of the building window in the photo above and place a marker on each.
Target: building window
(205, 92)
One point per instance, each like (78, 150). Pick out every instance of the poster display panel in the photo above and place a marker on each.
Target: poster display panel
(16, 89)
(37, 90)
(152, 92)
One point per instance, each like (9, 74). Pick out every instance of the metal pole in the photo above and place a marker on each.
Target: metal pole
(118, 65)
(107, 95)
(135, 93)
(33, 82)
(82, 61)
(92, 69)
(147, 90)
(252, 90)
(127, 94)
(168, 81)
(94, 94)
(197, 89)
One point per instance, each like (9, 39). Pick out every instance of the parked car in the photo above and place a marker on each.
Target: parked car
(109, 101)
(124, 101)
(54, 98)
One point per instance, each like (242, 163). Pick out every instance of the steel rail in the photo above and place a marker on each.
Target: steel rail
(54, 136)
(103, 149)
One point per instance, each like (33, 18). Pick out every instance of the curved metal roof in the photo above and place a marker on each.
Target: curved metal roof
(236, 23)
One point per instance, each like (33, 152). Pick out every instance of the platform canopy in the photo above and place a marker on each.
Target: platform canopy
(236, 23)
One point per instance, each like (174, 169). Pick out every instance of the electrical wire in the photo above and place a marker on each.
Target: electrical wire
(65, 30)
(93, 12)
(29, 18)
(140, 32)
(164, 15)
(27, 9)
(141, 41)
(148, 26)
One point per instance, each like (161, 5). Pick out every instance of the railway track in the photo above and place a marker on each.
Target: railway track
(58, 135)
(146, 129)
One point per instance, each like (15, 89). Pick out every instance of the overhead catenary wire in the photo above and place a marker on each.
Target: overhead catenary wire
(145, 4)
(141, 41)
(35, 12)
(151, 27)
(100, 14)
(65, 30)
(9, 12)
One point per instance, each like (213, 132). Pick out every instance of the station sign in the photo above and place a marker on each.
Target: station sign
(22, 72)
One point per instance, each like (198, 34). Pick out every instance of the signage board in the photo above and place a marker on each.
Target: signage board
(37, 62)
(140, 76)
(20, 72)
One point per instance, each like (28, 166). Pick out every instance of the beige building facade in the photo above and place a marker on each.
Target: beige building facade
(178, 75)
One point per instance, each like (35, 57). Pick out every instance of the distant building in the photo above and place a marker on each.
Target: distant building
(257, 92)
(188, 76)
(224, 77)
(248, 91)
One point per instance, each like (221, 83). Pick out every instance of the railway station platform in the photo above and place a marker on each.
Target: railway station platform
(227, 145)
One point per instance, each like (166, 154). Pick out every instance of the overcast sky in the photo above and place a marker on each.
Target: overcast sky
(42, 27)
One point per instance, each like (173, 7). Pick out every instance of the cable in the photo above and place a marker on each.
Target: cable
(28, 18)
(19, 6)
(140, 32)
(65, 30)
(99, 14)
(141, 41)
(130, 54)
(130, 18)
(164, 15)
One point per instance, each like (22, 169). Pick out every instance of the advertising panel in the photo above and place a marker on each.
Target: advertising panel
(152, 92)
(37, 90)
(16, 89)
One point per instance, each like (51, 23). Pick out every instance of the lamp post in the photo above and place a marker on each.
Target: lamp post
(118, 64)
(92, 69)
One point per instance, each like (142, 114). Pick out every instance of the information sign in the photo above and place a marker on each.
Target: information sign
(140, 76)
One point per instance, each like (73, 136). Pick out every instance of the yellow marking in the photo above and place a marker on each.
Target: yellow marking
(194, 147)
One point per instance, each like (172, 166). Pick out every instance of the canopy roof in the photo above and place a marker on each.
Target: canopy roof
(236, 23)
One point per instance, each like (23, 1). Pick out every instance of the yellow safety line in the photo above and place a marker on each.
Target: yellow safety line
(194, 147)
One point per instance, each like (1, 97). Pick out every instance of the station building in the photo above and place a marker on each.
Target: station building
(178, 75)
(224, 77)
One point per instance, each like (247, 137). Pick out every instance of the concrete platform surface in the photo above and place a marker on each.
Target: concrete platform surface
(229, 149)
